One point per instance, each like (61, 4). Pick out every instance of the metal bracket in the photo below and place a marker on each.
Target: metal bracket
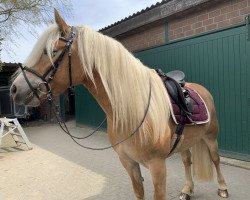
(247, 21)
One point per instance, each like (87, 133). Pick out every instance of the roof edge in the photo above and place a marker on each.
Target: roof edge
(157, 12)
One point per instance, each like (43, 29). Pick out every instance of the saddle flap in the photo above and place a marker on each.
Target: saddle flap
(177, 94)
(174, 83)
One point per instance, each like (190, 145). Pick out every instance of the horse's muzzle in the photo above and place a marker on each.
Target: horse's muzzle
(22, 94)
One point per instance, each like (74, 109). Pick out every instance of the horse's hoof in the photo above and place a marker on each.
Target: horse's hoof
(223, 193)
(184, 196)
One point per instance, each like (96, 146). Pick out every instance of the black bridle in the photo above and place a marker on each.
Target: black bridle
(49, 74)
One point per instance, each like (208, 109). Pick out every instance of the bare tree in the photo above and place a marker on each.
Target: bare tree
(17, 15)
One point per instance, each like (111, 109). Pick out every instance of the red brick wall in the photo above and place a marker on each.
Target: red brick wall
(226, 13)
(151, 37)
(223, 14)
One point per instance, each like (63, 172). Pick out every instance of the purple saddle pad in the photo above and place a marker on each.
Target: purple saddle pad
(200, 113)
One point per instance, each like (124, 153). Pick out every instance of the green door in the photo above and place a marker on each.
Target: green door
(220, 62)
(87, 111)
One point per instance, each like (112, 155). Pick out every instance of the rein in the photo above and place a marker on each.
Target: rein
(50, 72)
(65, 128)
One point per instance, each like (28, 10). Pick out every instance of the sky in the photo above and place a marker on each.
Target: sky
(94, 13)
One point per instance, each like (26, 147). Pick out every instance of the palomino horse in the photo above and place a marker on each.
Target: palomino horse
(122, 86)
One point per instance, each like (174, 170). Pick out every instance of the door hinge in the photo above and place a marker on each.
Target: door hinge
(247, 21)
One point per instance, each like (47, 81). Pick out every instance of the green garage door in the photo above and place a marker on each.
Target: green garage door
(220, 62)
(87, 111)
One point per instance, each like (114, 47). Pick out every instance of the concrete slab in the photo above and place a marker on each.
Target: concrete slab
(58, 169)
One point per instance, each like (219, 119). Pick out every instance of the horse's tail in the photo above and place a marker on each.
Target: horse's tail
(202, 162)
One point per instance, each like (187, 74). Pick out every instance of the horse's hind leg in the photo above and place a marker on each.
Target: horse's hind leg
(189, 184)
(133, 169)
(212, 144)
(158, 173)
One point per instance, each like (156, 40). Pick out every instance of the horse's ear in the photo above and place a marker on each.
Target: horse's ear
(63, 27)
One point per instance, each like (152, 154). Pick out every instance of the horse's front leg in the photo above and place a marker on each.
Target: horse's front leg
(158, 172)
(134, 171)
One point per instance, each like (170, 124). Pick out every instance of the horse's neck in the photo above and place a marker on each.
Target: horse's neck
(99, 93)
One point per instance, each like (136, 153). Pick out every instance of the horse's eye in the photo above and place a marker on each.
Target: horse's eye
(53, 52)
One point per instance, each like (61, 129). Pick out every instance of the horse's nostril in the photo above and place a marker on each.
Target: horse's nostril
(13, 89)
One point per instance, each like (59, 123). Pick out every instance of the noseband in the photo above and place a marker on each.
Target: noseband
(51, 71)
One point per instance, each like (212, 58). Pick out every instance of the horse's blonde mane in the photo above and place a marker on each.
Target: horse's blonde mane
(125, 79)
